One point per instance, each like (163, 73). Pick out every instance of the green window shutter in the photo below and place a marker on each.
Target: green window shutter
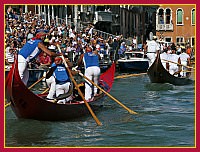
(179, 17)
(193, 16)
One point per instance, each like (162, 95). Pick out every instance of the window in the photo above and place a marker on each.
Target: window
(168, 39)
(168, 16)
(193, 17)
(179, 16)
(179, 40)
(161, 16)
(192, 41)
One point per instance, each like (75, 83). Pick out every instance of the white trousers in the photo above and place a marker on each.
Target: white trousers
(61, 89)
(51, 83)
(91, 73)
(183, 73)
(151, 57)
(23, 69)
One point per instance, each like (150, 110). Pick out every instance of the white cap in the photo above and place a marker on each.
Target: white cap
(97, 46)
(52, 47)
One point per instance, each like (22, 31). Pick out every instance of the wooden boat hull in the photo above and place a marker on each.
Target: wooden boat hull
(28, 105)
(158, 74)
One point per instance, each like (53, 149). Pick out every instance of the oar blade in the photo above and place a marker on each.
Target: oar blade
(132, 112)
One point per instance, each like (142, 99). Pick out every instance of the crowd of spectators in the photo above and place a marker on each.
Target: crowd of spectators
(21, 27)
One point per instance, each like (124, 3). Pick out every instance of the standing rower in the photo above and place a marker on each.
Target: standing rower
(185, 60)
(92, 70)
(30, 51)
(152, 48)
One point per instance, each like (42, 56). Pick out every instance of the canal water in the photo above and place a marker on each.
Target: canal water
(166, 118)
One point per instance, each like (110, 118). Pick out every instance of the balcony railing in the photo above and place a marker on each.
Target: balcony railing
(164, 27)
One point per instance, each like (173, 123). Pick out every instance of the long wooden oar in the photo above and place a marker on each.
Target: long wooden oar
(187, 71)
(129, 75)
(179, 64)
(129, 110)
(79, 91)
(8, 104)
(182, 71)
(36, 82)
(47, 89)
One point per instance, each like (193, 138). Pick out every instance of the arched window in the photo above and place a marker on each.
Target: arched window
(168, 16)
(179, 16)
(193, 16)
(161, 16)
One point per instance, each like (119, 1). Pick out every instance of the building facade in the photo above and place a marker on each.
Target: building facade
(176, 23)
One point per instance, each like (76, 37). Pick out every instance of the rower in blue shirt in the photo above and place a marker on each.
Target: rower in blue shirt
(92, 70)
(30, 51)
(62, 80)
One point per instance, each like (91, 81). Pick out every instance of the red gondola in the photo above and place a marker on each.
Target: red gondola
(28, 105)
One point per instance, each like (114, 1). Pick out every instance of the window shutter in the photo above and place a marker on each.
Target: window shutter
(179, 17)
(193, 16)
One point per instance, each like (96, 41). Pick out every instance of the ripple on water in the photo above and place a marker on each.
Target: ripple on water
(159, 86)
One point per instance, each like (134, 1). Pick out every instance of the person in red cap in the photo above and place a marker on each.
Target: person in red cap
(29, 51)
(58, 79)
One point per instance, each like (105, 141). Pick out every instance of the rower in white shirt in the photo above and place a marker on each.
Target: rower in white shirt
(164, 57)
(185, 60)
(174, 68)
(152, 48)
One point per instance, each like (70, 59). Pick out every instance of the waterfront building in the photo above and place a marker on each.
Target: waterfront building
(176, 23)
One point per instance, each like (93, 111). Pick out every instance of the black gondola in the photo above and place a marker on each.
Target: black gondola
(158, 74)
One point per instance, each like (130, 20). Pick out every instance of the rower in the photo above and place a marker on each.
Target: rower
(185, 60)
(62, 79)
(90, 59)
(174, 68)
(152, 48)
(164, 57)
(30, 51)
